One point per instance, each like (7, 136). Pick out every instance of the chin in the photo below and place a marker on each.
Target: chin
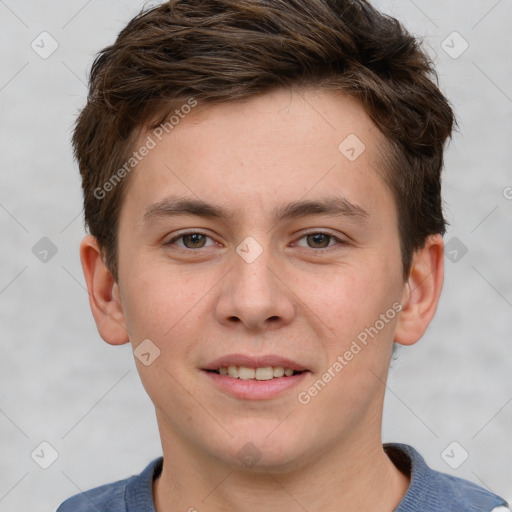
(263, 449)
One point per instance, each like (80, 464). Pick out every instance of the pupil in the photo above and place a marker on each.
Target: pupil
(196, 240)
(319, 240)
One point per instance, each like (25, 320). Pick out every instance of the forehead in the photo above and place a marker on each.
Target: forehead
(249, 156)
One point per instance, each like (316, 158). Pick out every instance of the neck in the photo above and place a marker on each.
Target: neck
(357, 475)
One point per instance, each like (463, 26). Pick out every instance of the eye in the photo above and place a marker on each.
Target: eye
(192, 240)
(318, 240)
(197, 240)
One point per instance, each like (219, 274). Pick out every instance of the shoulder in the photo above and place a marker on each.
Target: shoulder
(434, 491)
(107, 497)
(130, 494)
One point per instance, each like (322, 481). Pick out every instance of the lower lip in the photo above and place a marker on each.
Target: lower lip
(255, 389)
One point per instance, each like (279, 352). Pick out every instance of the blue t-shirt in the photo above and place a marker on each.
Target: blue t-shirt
(429, 490)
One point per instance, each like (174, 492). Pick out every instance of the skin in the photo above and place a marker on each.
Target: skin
(303, 298)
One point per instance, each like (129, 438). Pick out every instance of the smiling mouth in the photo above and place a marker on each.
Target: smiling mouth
(261, 373)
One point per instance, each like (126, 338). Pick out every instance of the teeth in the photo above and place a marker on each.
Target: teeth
(266, 373)
(278, 371)
(263, 373)
(245, 373)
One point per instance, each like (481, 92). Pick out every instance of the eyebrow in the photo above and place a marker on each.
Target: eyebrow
(176, 206)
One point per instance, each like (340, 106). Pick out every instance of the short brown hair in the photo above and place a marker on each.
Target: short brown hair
(230, 50)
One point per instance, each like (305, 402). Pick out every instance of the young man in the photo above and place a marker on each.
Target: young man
(262, 187)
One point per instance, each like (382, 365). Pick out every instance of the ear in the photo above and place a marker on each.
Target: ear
(104, 296)
(421, 291)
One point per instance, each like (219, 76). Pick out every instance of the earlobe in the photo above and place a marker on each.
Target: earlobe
(421, 291)
(104, 296)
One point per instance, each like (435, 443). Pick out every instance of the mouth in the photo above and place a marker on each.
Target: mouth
(255, 378)
(260, 373)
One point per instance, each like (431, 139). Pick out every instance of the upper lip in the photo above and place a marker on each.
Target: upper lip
(259, 361)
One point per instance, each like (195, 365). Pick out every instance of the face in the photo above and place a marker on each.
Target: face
(255, 238)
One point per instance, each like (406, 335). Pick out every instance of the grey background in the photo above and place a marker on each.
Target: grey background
(61, 384)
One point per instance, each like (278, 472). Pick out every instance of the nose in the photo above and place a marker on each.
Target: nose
(255, 294)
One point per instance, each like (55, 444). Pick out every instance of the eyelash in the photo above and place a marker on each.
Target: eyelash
(304, 235)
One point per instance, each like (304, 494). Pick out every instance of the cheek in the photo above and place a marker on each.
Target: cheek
(358, 306)
(166, 311)
(154, 301)
(170, 309)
